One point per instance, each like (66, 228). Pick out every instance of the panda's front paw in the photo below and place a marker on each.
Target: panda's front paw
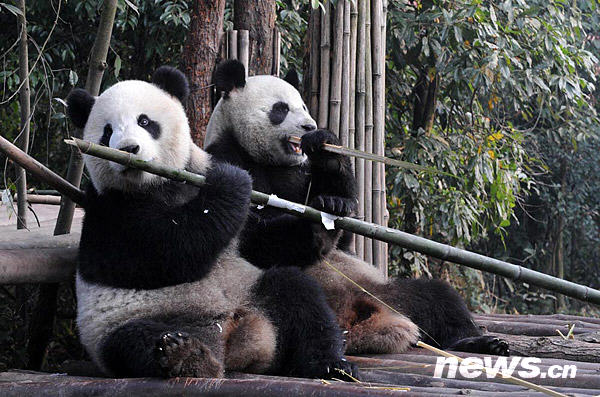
(179, 354)
(312, 143)
(329, 369)
(225, 174)
(334, 205)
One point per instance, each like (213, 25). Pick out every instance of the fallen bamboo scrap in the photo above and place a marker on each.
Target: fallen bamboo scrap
(381, 233)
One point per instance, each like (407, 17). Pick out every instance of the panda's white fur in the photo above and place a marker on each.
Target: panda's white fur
(260, 94)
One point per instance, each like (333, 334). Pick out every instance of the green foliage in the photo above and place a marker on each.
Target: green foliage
(516, 82)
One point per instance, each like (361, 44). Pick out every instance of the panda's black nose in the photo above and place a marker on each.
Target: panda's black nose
(133, 149)
(308, 127)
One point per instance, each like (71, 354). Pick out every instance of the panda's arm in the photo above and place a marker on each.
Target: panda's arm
(274, 239)
(333, 186)
(205, 225)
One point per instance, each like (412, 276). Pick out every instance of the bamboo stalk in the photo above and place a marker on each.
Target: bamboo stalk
(369, 132)
(232, 50)
(345, 106)
(360, 118)
(92, 85)
(497, 373)
(244, 49)
(374, 157)
(25, 110)
(352, 93)
(381, 233)
(386, 213)
(315, 26)
(40, 172)
(335, 96)
(378, 57)
(325, 66)
(276, 52)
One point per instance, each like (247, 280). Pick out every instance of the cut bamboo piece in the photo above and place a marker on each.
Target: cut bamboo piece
(335, 94)
(369, 132)
(232, 52)
(244, 49)
(359, 117)
(325, 66)
(276, 52)
(405, 240)
(345, 106)
(315, 30)
(378, 123)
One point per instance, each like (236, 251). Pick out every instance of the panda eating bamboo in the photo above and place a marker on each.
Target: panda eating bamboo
(250, 128)
(161, 288)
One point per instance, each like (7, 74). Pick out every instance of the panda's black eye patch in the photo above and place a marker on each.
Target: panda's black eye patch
(149, 125)
(278, 113)
(108, 131)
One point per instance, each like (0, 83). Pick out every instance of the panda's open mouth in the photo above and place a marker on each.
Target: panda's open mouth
(292, 147)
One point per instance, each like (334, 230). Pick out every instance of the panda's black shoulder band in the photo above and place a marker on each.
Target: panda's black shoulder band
(229, 75)
(172, 81)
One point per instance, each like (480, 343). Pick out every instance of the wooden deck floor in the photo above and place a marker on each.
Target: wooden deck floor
(407, 374)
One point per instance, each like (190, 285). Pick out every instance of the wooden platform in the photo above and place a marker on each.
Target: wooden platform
(408, 374)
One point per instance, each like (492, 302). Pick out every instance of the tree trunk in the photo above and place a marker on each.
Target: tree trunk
(200, 54)
(258, 17)
(24, 102)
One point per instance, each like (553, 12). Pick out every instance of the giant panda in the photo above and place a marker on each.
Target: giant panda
(250, 127)
(161, 288)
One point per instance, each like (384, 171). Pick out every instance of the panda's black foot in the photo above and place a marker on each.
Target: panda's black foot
(179, 354)
(485, 344)
(339, 206)
(326, 369)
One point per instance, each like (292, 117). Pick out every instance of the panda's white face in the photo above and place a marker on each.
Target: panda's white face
(263, 115)
(142, 119)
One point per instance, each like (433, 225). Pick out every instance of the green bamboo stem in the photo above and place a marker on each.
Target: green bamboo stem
(381, 233)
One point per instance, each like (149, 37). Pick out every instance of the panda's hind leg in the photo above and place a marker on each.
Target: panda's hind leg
(373, 328)
(168, 347)
(443, 316)
(309, 340)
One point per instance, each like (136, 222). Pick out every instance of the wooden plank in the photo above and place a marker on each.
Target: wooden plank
(37, 265)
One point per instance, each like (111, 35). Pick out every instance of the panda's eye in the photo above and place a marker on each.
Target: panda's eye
(143, 120)
(278, 113)
(107, 133)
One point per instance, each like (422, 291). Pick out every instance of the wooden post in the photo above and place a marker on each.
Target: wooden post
(244, 48)
(336, 69)
(25, 109)
(323, 118)
(386, 213)
(258, 17)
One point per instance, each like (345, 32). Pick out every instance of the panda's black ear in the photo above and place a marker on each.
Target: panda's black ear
(172, 81)
(292, 78)
(229, 75)
(79, 106)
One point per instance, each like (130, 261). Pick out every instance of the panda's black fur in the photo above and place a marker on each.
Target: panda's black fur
(162, 290)
(327, 183)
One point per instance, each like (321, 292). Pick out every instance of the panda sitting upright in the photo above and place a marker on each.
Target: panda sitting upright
(161, 288)
(250, 127)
